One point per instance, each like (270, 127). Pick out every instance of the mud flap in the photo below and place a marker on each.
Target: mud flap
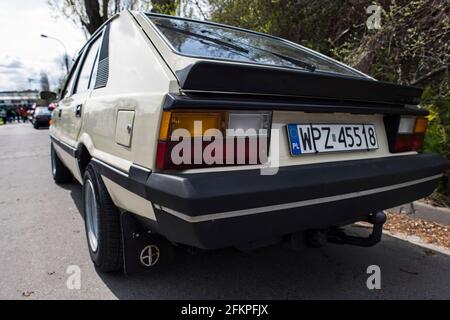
(143, 250)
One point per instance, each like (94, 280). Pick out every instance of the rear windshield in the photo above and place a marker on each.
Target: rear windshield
(42, 111)
(212, 41)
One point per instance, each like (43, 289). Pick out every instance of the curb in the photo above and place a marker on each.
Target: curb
(425, 212)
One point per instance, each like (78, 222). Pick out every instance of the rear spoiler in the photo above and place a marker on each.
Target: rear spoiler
(206, 76)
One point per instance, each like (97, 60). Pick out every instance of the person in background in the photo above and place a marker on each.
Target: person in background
(9, 115)
(23, 112)
(17, 112)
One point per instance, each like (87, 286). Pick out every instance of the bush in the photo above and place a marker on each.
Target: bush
(438, 136)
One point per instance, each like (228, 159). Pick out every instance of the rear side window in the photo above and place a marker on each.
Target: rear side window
(88, 65)
(42, 111)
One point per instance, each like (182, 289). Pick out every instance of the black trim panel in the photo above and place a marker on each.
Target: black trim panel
(134, 181)
(70, 150)
(240, 78)
(174, 101)
(103, 61)
(258, 227)
(206, 193)
(215, 192)
(199, 194)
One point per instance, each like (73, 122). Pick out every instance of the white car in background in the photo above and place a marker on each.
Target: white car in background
(345, 145)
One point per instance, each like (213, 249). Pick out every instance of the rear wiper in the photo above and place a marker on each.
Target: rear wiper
(305, 65)
(299, 63)
(200, 36)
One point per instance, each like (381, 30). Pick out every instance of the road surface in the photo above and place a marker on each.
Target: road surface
(42, 234)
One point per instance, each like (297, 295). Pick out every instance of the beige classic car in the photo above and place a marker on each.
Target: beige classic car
(200, 135)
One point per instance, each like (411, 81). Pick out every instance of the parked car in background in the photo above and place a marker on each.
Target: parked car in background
(346, 146)
(41, 117)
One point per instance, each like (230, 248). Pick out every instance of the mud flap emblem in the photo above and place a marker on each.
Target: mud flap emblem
(150, 255)
(142, 250)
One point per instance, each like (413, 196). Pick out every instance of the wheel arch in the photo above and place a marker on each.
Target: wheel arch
(83, 158)
(84, 152)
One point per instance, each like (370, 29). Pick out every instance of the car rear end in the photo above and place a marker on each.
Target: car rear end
(313, 147)
(217, 205)
(41, 117)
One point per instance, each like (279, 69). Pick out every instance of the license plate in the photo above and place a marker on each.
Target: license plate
(322, 138)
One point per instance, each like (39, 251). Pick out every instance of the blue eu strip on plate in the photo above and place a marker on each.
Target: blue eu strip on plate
(294, 140)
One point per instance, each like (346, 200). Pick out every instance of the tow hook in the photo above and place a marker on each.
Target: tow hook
(338, 236)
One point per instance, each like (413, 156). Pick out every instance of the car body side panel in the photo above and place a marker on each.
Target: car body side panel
(138, 81)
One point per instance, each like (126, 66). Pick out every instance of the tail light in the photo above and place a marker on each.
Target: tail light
(406, 133)
(198, 138)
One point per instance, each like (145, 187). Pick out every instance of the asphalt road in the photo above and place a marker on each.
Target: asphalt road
(42, 234)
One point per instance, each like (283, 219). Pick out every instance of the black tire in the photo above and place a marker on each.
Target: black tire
(36, 126)
(107, 257)
(59, 171)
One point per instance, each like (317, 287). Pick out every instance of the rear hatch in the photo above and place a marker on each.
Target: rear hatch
(225, 68)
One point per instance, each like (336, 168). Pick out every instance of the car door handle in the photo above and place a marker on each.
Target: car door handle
(59, 113)
(78, 110)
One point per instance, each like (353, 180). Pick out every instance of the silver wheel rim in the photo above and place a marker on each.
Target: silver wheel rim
(53, 163)
(90, 207)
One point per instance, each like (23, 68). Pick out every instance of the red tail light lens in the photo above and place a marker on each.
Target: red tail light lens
(161, 155)
(201, 138)
(406, 134)
(409, 142)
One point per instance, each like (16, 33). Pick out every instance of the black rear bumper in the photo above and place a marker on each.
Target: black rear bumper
(212, 210)
(228, 208)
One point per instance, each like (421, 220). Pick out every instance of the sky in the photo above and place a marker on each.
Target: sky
(23, 53)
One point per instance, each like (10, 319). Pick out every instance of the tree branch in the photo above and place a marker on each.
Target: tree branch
(429, 75)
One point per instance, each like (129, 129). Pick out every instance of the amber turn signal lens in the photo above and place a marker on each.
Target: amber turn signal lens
(196, 123)
(165, 124)
(421, 125)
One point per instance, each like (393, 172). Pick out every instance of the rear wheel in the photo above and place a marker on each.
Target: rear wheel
(102, 221)
(59, 171)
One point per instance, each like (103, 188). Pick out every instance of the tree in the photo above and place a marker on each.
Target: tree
(411, 47)
(195, 9)
(45, 84)
(91, 14)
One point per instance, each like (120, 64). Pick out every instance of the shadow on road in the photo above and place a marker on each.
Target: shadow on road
(75, 194)
(277, 272)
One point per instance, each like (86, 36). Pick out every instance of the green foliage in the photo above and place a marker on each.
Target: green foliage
(165, 6)
(438, 134)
